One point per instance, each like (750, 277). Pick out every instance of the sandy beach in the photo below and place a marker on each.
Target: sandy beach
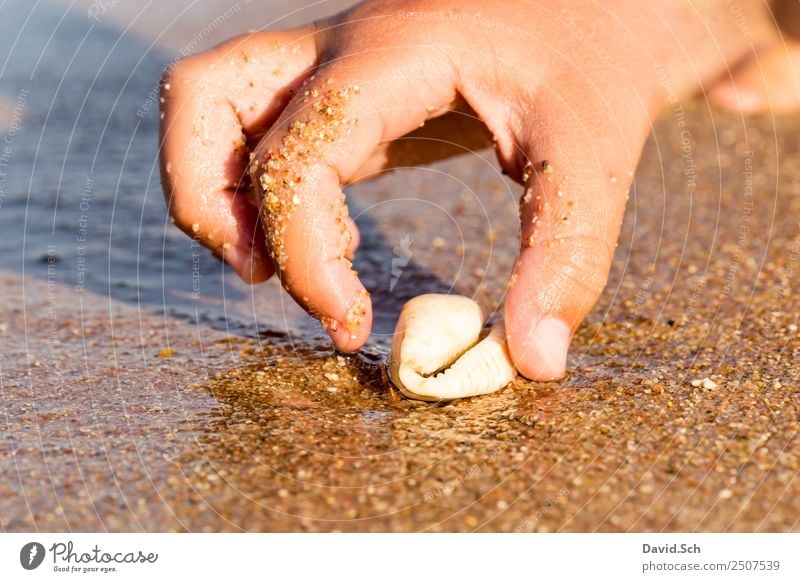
(145, 388)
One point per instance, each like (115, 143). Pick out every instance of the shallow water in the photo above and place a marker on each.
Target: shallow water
(252, 422)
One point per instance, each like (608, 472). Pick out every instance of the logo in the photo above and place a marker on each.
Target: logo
(31, 555)
(402, 256)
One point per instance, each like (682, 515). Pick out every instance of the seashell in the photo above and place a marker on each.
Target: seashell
(438, 354)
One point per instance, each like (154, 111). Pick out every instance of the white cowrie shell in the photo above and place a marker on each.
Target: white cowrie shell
(436, 354)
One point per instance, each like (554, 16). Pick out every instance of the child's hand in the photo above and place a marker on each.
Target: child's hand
(568, 90)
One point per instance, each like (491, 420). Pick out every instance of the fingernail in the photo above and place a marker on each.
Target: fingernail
(737, 98)
(256, 267)
(350, 335)
(551, 339)
(339, 334)
(750, 101)
(249, 267)
(235, 257)
(248, 264)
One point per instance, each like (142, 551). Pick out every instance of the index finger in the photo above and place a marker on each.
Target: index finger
(326, 134)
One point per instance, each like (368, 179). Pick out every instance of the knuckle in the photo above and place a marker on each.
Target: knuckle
(183, 72)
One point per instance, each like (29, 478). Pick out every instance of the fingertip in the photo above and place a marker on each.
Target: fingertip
(250, 265)
(737, 98)
(538, 348)
(538, 341)
(351, 331)
(345, 341)
(255, 270)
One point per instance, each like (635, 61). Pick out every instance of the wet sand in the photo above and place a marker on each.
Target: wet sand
(152, 391)
(266, 429)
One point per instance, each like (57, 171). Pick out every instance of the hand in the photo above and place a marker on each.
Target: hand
(567, 89)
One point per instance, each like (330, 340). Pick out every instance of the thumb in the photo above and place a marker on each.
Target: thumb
(576, 184)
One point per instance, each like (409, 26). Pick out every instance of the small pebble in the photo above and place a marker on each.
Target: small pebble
(709, 384)
(705, 383)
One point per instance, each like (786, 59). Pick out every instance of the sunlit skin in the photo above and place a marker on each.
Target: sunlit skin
(566, 90)
(769, 79)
